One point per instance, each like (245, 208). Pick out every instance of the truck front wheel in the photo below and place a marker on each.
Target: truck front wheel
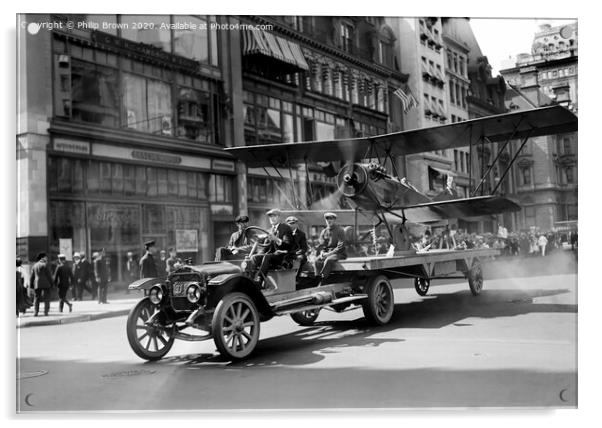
(235, 326)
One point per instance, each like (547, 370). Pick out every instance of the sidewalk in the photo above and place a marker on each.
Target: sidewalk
(119, 304)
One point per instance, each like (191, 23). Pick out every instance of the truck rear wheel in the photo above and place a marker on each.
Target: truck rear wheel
(235, 326)
(379, 306)
(305, 318)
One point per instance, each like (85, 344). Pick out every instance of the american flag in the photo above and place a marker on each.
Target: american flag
(408, 101)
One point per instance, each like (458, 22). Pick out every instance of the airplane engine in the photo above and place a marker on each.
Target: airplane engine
(370, 187)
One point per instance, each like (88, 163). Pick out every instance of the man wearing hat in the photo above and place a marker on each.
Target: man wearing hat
(81, 275)
(41, 281)
(299, 239)
(281, 239)
(63, 279)
(101, 274)
(331, 246)
(148, 268)
(238, 246)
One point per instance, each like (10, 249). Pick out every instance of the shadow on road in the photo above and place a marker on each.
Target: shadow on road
(313, 344)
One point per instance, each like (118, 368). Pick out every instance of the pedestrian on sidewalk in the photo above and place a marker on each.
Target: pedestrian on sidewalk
(148, 267)
(23, 301)
(63, 279)
(131, 270)
(41, 282)
(81, 276)
(101, 275)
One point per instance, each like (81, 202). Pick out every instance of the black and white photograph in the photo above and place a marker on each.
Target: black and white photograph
(292, 212)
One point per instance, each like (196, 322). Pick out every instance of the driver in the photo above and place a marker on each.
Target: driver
(281, 245)
(238, 246)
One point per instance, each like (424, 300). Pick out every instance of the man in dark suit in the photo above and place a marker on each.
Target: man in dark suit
(81, 275)
(300, 246)
(238, 246)
(101, 274)
(148, 268)
(41, 281)
(281, 239)
(63, 279)
(89, 275)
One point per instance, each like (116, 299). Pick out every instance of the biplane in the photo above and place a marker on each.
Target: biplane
(225, 300)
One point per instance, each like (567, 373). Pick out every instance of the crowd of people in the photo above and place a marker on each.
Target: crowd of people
(83, 276)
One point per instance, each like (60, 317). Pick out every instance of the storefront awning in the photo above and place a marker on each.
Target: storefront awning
(259, 42)
(443, 171)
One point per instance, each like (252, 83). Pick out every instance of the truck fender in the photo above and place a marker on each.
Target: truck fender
(145, 283)
(239, 283)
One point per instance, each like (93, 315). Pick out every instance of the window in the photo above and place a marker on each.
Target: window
(194, 115)
(94, 94)
(455, 67)
(148, 105)
(347, 37)
(525, 176)
(147, 29)
(385, 53)
(570, 178)
(193, 44)
(220, 188)
(566, 146)
(452, 97)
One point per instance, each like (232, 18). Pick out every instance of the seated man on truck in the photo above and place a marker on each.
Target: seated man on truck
(331, 247)
(281, 247)
(238, 246)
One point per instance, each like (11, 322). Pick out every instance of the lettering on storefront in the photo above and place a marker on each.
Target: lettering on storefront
(156, 157)
(72, 146)
(221, 209)
(219, 165)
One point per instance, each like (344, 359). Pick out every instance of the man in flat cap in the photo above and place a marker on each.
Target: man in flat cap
(299, 239)
(281, 239)
(41, 282)
(331, 246)
(238, 246)
(148, 268)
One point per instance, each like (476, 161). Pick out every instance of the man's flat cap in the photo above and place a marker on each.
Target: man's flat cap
(330, 215)
(291, 220)
(274, 211)
(241, 219)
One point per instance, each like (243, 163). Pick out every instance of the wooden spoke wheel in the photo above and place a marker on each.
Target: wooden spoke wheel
(306, 318)
(235, 326)
(422, 285)
(378, 307)
(475, 278)
(150, 341)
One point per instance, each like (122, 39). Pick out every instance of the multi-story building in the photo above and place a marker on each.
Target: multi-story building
(421, 46)
(545, 174)
(123, 120)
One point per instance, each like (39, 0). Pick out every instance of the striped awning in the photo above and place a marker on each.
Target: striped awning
(259, 42)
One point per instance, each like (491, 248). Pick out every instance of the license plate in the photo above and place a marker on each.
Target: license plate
(179, 288)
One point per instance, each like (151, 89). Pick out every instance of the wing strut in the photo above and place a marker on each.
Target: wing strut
(499, 153)
(513, 159)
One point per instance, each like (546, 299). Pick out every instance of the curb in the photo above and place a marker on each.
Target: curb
(75, 319)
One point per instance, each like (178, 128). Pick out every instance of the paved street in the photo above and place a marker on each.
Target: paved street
(514, 345)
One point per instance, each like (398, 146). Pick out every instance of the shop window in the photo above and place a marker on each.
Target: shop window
(162, 182)
(141, 181)
(94, 94)
(117, 178)
(105, 177)
(129, 179)
(172, 182)
(67, 221)
(151, 177)
(153, 217)
(113, 226)
(192, 43)
(147, 29)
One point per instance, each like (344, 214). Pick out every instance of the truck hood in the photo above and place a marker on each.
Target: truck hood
(217, 268)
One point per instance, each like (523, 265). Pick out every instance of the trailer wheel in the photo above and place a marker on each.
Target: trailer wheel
(475, 278)
(235, 326)
(422, 285)
(378, 307)
(305, 318)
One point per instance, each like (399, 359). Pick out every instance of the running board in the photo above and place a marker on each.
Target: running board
(192, 337)
(333, 302)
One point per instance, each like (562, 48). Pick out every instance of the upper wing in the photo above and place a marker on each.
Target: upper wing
(520, 124)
